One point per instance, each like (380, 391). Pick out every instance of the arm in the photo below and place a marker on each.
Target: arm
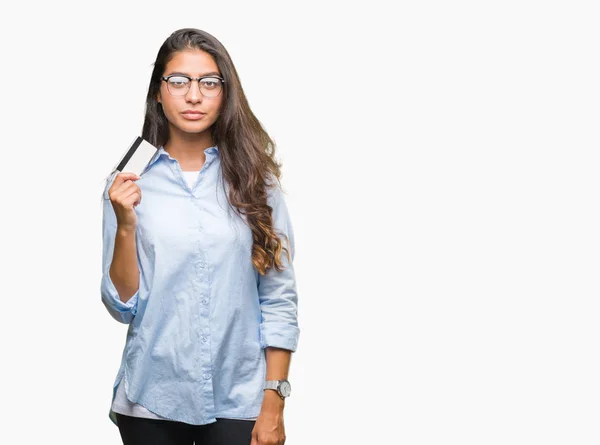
(277, 290)
(119, 263)
(279, 330)
(124, 270)
(278, 366)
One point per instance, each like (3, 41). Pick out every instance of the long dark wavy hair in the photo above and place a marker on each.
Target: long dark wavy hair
(246, 151)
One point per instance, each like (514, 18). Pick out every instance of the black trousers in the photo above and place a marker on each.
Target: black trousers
(141, 431)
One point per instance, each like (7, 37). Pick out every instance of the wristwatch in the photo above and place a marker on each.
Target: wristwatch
(282, 387)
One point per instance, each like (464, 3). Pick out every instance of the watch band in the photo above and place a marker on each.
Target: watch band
(272, 384)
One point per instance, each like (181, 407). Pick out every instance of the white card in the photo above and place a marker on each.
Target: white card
(137, 157)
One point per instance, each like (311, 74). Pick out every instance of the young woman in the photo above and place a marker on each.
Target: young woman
(197, 259)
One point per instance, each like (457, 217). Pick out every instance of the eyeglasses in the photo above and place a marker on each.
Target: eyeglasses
(179, 85)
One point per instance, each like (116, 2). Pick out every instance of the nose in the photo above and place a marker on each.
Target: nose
(194, 95)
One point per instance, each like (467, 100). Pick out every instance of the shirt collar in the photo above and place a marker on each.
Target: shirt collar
(161, 152)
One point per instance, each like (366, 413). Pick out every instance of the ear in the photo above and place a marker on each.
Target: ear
(158, 98)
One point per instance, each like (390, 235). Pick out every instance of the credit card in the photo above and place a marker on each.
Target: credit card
(137, 157)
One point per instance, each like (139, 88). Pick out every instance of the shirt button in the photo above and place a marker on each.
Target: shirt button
(206, 376)
(204, 301)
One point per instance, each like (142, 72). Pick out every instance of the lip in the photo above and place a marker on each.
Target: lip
(193, 115)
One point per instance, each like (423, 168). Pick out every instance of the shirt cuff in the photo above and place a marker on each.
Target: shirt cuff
(123, 312)
(279, 335)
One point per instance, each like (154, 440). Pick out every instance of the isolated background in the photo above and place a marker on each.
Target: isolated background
(441, 168)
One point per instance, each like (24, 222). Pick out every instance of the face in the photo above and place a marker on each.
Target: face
(194, 63)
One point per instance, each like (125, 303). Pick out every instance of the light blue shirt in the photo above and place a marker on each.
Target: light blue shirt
(202, 315)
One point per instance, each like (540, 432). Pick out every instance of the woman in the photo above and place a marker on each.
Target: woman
(197, 259)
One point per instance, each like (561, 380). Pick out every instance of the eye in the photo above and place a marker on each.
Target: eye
(210, 83)
(178, 81)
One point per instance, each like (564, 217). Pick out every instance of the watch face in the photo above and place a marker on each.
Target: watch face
(285, 388)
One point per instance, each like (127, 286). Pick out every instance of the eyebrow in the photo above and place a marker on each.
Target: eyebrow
(212, 73)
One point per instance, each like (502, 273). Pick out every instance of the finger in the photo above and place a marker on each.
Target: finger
(127, 175)
(130, 173)
(254, 440)
(125, 189)
(124, 176)
(127, 198)
(138, 199)
(128, 182)
(134, 199)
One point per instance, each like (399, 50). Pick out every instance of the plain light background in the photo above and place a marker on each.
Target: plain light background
(441, 168)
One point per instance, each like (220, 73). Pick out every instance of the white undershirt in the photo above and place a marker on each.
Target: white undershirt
(190, 177)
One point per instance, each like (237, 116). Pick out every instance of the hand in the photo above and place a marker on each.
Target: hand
(269, 428)
(124, 195)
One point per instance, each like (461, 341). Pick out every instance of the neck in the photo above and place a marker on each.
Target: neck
(188, 148)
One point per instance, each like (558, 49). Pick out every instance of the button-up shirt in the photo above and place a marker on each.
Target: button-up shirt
(202, 315)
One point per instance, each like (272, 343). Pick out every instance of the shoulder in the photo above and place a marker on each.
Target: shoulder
(108, 182)
(276, 198)
(274, 190)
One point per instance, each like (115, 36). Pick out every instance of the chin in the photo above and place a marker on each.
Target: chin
(190, 127)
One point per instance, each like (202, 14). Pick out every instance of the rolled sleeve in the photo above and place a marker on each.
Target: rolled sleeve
(277, 291)
(122, 312)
